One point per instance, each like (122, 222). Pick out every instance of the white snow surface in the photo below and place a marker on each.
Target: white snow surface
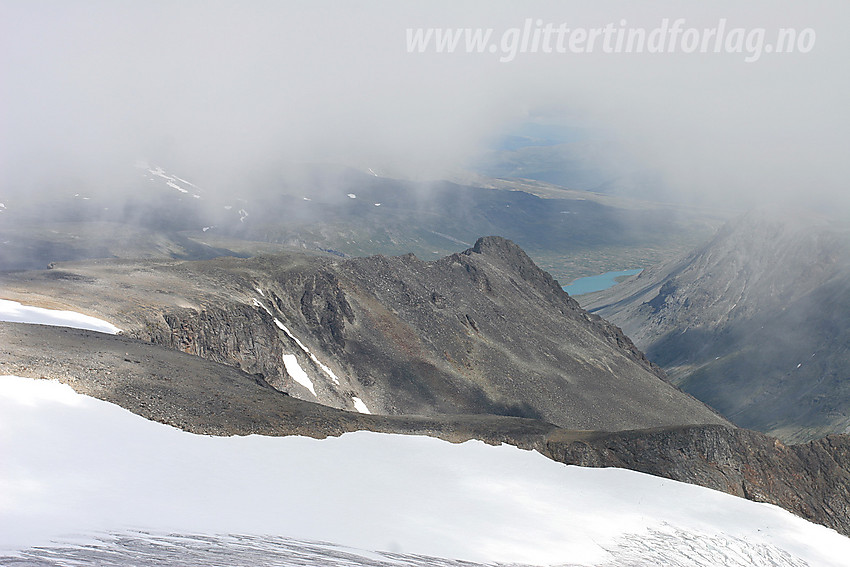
(175, 186)
(181, 180)
(14, 312)
(290, 361)
(170, 180)
(74, 466)
(359, 405)
(334, 378)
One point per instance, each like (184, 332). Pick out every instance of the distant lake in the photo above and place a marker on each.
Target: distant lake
(597, 283)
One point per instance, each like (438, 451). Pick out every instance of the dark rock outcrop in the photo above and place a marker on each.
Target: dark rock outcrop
(811, 480)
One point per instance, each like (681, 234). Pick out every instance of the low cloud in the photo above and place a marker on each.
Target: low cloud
(220, 90)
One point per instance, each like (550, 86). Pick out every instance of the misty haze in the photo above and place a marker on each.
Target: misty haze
(447, 283)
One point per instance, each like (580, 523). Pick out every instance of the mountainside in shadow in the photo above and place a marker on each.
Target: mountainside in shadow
(756, 323)
(811, 480)
(480, 332)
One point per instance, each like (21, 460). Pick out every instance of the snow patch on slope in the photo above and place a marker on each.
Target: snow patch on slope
(14, 312)
(295, 339)
(175, 186)
(290, 361)
(307, 351)
(359, 405)
(177, 183)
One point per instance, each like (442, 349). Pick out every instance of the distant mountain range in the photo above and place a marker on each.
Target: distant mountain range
(152, 212)
(756, 323)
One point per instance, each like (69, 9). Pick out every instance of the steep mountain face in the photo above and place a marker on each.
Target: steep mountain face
(479, 332)
(811, 480)
(755, 323)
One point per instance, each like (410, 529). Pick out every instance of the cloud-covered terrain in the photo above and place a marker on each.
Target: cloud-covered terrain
(225, 89)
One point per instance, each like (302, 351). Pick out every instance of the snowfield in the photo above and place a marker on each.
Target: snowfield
(14, 312)
(91, 483)
(75, 469)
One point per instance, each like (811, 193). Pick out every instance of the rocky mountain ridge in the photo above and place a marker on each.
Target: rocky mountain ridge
(483, 331)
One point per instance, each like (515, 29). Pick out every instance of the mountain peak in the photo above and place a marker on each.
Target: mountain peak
(508, 252)
(496, 245)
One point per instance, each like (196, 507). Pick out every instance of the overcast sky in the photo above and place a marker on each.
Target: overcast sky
(219, 89)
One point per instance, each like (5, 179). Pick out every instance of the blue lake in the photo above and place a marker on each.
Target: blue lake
(597, 283)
